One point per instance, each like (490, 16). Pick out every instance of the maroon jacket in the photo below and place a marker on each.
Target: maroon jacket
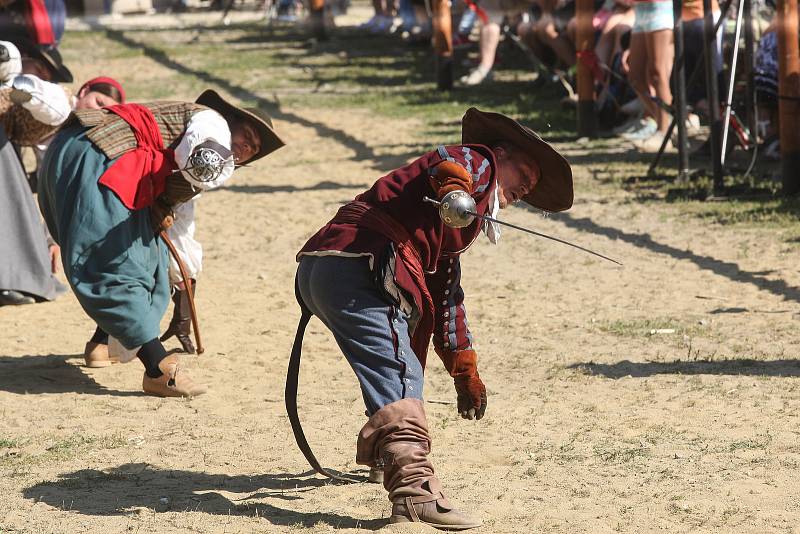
(400, 195)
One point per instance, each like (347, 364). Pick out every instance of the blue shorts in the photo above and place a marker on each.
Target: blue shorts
(653, 16)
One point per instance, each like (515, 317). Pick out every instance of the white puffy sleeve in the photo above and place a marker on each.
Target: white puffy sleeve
(206, 128)
(48, 104)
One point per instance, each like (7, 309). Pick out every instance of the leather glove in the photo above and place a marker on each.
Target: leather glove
(450, 176)
(471, 393)
(161, 215)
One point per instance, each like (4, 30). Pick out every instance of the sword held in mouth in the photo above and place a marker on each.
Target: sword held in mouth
(457, 210)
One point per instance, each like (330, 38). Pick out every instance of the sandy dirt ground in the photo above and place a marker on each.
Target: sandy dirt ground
(593, 424)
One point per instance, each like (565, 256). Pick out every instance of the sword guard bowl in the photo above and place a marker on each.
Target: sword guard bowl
(455, 207)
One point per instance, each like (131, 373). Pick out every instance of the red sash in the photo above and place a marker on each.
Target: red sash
(138, 176)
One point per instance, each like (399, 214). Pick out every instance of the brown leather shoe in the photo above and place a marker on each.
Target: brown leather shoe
(174, 382)
(432, 509)
(96, 355)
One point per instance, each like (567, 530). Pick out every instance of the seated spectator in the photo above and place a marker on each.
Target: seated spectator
(547, 35)
(612, 24)
(766, 82)
(492, 13)
(417, 25)
(466, 21)
(41, 22)
(693, 21)
(616, 20)
(383, 19)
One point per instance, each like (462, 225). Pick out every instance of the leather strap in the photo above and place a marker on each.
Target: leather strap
(187, 281)
(411, 510)
(411, 500)
(290, 394)
(419, 499)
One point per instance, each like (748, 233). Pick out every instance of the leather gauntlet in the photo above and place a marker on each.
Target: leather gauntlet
(176, 191)
(471, 393)
(450, 176)
(161, 215)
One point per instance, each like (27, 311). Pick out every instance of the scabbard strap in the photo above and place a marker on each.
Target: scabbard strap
(290, 394)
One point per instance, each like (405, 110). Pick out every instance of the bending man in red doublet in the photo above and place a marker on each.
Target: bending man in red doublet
(384, 276)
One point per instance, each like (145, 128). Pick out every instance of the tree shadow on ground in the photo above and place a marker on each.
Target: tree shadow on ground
(361, 149)
(269, 189)
(387, 64)
(748, 367)
(727, 269)
(50, 373)
(120, 490)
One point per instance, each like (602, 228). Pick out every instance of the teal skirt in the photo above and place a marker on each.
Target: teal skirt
(114, 263)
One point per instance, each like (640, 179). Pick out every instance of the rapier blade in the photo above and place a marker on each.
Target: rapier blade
(526, 230)
(533, 232)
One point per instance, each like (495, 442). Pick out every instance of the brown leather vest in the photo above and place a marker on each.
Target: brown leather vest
(113, 136)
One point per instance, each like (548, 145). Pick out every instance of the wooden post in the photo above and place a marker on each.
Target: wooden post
(317, 19)
(789, 93)
(712, 95)
(443, 43)
(749, 54)
(679, 93)
(584, 42)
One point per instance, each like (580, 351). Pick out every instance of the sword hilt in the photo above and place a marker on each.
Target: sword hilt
(456, 209)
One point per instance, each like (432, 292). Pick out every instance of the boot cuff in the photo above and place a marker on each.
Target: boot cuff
(403, 420)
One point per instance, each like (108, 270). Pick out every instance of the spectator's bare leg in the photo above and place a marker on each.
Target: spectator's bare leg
(638, 75)
(527, 32)
(563, 49)
(608, 45)
(661, 53)
(490, 38)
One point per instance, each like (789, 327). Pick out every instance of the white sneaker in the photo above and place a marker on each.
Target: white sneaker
(382, 24)
(647, 127)
(652, 144)
(692, 124)
(370, 23)
(476, 77)
(628, 126)
(634, 107)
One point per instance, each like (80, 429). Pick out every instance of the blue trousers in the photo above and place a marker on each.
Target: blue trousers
(370, 330)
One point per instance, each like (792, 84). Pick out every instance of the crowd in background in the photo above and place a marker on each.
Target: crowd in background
(632, 61)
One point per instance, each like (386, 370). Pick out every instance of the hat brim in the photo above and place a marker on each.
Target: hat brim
(270, 142)
(61, 74)
(554, 191)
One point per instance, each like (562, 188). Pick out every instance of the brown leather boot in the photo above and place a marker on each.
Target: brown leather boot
(396, 436)
(174, 382)
(181, 324)
(96, 355)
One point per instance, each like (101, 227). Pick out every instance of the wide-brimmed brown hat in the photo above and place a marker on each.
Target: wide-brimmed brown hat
(47, 54)
(270, 142)
(554, 190)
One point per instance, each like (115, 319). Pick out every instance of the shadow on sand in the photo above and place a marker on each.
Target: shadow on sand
(748, 367)
(50, 373)
(130, 486)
